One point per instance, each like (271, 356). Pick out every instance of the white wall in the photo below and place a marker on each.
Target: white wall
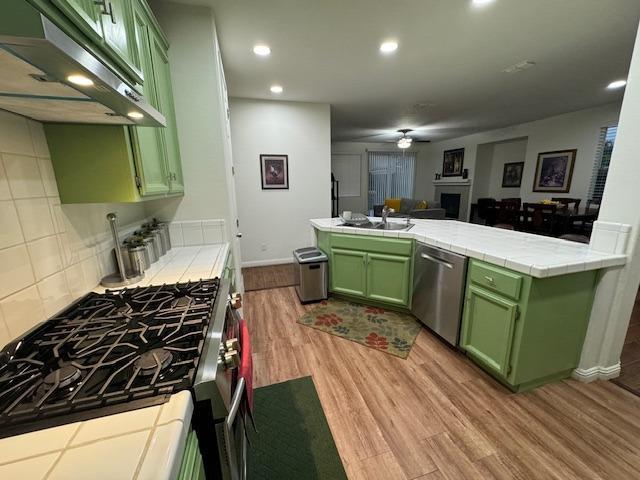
(490, 161)
(423, 187)
(579, 130)
(275, 222)
(617, 289)
(50, 254)
(195, 76)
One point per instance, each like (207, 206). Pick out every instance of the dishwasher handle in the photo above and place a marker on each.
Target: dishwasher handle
(444, 263)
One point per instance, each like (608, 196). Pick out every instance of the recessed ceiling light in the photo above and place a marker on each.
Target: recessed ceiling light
(276, 89)
(261, 50)
(135, 115)
(80, 80)
(617, 84)
(481, 2)
(388, 47)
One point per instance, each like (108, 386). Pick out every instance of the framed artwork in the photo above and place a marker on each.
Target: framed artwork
(512, 175)
(554, 171)
(452, 162)
(274, 171)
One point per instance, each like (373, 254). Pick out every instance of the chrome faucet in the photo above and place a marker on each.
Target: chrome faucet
(386, 210)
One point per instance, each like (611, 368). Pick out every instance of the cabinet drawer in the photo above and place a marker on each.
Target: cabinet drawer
(392, 246)
(496, 279)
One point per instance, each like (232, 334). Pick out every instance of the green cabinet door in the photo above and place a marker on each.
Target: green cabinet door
(118, 30)
(348, 272)
(488, 329)
(388, 278)
(84, 13)
(162, 75)
(148, 144)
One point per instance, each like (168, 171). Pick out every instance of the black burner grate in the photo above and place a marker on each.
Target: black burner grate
(107, 349)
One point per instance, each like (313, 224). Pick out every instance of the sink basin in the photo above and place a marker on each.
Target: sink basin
(383, 226)
(391, 226)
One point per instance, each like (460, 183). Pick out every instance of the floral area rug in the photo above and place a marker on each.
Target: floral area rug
(385, 330)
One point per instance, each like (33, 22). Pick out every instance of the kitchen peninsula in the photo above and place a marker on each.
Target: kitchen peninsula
(527, 298)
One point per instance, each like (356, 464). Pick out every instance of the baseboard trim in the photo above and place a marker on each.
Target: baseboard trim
(587, 375)
(266, 263)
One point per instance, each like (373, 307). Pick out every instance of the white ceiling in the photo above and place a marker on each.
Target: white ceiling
(445, 79)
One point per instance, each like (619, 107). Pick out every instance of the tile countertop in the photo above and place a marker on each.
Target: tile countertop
(533, 255)
(143, 444)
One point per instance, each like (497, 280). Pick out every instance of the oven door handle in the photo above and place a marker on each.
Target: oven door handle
(237, 471)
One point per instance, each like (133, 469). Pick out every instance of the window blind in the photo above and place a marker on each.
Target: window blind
(602, 160)
(391, 175)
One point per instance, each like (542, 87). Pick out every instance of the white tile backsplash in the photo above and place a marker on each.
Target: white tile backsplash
(22, 310)
(10, 231)
(23, 175)
(16, 272)
(50, 254)
(197, 232)
(5, 193)
(35, 218)
(45, 257)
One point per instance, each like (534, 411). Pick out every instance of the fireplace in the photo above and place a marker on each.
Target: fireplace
(451, 203)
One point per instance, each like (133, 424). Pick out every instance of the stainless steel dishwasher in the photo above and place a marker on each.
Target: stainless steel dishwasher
(438, 290)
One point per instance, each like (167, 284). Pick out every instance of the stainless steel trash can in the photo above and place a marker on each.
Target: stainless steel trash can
(310, 272)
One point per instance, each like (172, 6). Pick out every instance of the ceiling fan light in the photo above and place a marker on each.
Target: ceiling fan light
(404, 142)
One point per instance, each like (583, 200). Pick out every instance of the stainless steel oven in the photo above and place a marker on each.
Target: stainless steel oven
(219, 413)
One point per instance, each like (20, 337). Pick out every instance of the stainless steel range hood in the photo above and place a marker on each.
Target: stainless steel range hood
(33, 81)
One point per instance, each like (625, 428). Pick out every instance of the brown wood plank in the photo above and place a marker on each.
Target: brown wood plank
(436, 415)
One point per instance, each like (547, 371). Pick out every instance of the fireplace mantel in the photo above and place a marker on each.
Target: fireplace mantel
(463, 182)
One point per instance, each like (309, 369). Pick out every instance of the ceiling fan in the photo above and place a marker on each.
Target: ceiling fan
(404, 142)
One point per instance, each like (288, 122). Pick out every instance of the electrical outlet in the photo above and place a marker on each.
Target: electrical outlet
(263, 247)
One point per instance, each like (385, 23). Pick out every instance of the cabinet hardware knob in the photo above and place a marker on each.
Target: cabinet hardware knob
(489, 279)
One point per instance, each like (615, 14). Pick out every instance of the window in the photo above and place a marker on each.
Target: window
(390, 176)
(601, 165)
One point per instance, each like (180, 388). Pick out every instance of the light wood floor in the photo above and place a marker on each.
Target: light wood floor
(270, 276)
(435, 415)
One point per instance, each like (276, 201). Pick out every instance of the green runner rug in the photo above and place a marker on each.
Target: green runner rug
(293, 441)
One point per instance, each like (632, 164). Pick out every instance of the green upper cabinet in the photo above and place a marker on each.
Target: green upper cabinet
(118, 29)
(388, 278)
(85, 14)
(164, 90)
(348, 272)
(104, 163)
(149, 147)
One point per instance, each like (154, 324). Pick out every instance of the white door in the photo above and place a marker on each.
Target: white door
(234, 227)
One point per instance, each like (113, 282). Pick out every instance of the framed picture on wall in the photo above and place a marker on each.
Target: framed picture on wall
(554, 171)
(452, 162)
(512, 175)
(274, 172)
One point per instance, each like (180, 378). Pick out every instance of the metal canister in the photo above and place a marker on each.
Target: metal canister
(139, 257)
(164, 228)
(150, 245)
(157, 232)
(154, 235)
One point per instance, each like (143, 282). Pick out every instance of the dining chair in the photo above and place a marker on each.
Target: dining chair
(539, 218)
(568, 202)
(574, 237)
(585, 224)
(516, 200)
(504, 226)
(508, 212)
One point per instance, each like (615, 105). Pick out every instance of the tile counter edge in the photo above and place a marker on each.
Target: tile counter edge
(526, 253)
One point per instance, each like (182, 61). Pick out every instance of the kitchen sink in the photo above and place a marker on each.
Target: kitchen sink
(383, 226)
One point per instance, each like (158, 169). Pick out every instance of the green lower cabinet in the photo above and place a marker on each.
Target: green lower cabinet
(373, 268)
(525, 331)
(489, 326)
(388, 278)
(192, 467)
(348, 272)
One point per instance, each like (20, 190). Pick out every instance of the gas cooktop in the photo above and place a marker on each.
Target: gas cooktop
(105, 354)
